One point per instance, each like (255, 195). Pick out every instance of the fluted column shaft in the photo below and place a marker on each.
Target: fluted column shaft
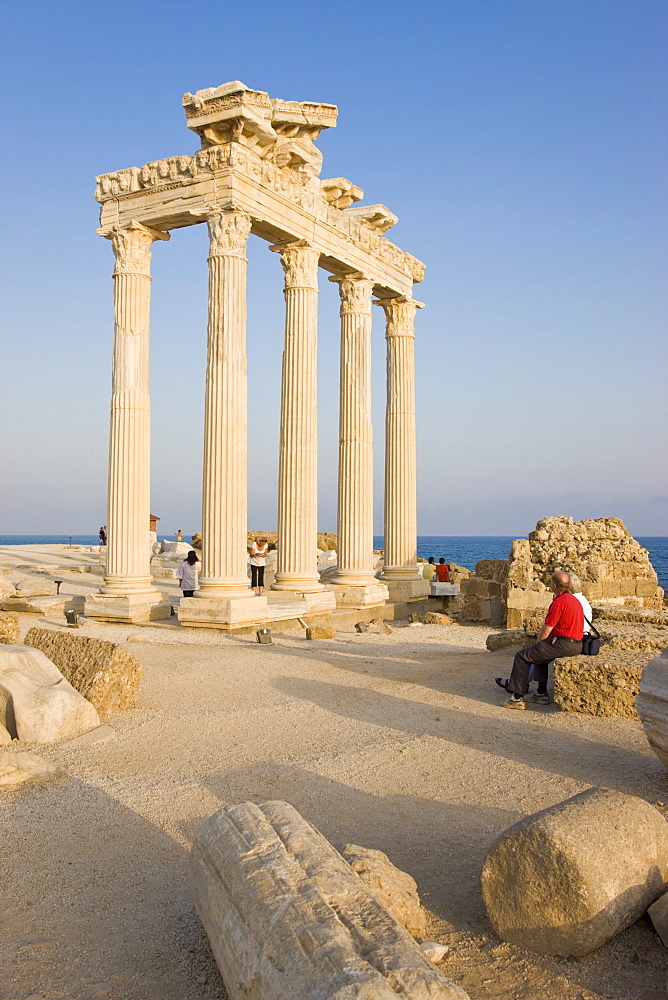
(128, 550)
(355, 495)
(297, 566)
(400, 459)
(224, 493)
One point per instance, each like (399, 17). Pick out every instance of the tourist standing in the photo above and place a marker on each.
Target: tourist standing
(258, 560)
(429, 569)
(179, 536)
(187, 573)
(561, 635)
(103, 535)
(442, 571)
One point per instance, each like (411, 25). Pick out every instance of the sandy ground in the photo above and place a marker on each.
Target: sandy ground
(394, 742)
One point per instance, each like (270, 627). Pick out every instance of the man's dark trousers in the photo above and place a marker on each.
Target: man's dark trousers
(540, 654)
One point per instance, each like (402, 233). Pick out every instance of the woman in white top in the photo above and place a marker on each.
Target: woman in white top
(187, 573)
(258, 560)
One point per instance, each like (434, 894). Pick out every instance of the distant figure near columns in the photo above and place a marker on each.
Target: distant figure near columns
(128, 576)
(400, 572)
(355, 498)
(224, 556)
(297, 561)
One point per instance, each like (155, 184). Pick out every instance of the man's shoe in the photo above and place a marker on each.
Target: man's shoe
(517, 703)
(541, 699)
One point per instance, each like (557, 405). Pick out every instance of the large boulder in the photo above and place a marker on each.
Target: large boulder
(37, 704)
(569, 878)
(652, 705)
(287, 917)
(397, 890)
(105, 673)
(9, 627)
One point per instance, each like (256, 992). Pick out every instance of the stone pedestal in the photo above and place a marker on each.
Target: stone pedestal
(297, 567)
(354, 583)
(127, 607)
(400, 572)
(220, 613)
(315, 600)
(127, 579)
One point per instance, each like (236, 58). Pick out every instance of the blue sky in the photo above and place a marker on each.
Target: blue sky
(523, 147)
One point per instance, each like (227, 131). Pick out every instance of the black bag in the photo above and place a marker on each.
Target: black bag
(591, 644)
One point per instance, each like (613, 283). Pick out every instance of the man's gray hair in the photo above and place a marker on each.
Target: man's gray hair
(576, 583)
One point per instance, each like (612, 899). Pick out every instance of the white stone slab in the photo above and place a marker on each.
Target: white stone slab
(216, 612)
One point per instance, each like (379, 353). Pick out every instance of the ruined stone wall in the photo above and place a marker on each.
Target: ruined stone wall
(612, 565)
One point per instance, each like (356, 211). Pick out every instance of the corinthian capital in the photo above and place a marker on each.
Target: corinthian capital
(355, 291)
(132, 247)
(300, 264)
(399, 315)
(228, 233)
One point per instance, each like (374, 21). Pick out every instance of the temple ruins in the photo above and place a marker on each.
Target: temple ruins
(258, 172)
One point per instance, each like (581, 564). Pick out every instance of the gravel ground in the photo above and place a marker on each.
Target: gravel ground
(395, 742)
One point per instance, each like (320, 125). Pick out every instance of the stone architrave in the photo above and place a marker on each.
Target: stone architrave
(569, 878)
(287, 917)
(297, 565)
(354, 582)
(127, 593)
(224, 595)
(401, 572)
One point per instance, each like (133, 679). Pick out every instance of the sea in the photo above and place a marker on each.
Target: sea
(465, 550)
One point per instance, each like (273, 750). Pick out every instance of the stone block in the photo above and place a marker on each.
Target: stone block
(627, 588)
(36, 586)
(37, 704)
(9, 627)
(48, 606)
(652, 705)
(105, 673)
(396, 890)
(321, 633)
(610, 588)
(434, 618)
(128, 609)
(592, 591)
(520, 574)
(658, 914)
(374, 595)
(382, 626)
(475, 586)
(5, 735)
(510, 638)
(569, 878)
(604, 685)
(520, 550)
(514, 618)
(286, 916)
(653, 602)
(17, 768)
(492, 569)
(645, 588)
(6, 590)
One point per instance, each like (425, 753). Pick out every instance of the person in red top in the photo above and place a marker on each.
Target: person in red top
(561, 635)
(442, 571)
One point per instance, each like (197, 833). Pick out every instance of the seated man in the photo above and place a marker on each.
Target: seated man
(561, 635)
(429, 569)
(442, 571)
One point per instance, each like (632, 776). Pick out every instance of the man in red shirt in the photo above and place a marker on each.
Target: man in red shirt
(442, 571)
(561, 635)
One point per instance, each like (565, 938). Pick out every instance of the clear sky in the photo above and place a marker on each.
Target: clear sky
(522, 145)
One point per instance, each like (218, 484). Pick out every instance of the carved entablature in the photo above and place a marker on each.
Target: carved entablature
(248, 137)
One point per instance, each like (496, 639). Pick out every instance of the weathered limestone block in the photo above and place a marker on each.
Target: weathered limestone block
(105, 673)
(321, 633)
(511, 637)
(492, 569)
(569, 878)
(458, 573)
(36, 586)
(17, 768)
(5, 735)
(9, 627)
(475, 587)
(650, 639)
(520, 574)
(44, 605)
(604, 685)
(617, 613)
(396, 890)
(520, 550)
(652, 705)
(658, 914)
(435, 618)
(37, 704)
(382, 626)
(287, 917)
(645, 588)
(6, 590)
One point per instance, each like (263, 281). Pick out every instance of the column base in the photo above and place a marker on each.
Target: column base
(320, 600)
(292, 585)
(221, 612)
(370, 596)
(407, 590)
(129, 608)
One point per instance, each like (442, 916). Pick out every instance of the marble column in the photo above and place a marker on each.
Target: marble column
(224, 596)
(297, 565)
(354, 582)
(401, 572)
(128, 593)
